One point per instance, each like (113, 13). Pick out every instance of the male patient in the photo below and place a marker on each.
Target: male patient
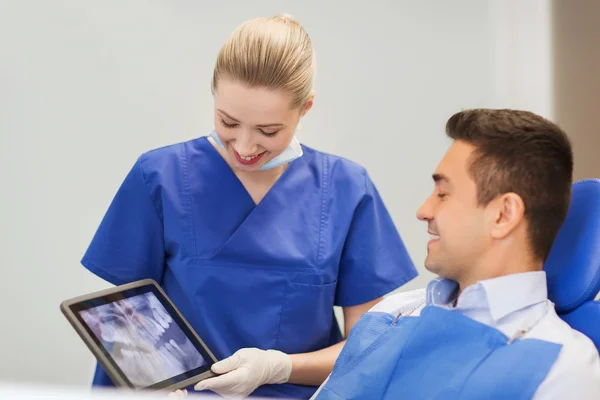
(485, 328)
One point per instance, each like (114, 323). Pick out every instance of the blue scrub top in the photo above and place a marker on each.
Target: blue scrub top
(247, 275)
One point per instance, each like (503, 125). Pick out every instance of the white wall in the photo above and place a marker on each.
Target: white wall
(87, 86)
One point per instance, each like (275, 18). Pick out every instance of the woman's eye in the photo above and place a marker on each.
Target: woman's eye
(268, 134)
(226, 125)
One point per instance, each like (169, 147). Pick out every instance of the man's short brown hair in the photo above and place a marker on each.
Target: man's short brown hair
(523, 153)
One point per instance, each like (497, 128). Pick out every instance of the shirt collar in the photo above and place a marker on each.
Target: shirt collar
(441, 292)
(502, 295)
(514, 292)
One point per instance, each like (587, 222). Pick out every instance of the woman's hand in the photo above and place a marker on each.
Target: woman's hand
(246, 370)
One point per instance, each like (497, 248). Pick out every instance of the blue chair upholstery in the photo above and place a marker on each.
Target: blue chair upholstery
(573, 266)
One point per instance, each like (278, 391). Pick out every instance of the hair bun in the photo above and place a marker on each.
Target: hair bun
(287, 19)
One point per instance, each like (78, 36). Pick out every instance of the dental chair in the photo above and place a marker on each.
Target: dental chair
(573, 266)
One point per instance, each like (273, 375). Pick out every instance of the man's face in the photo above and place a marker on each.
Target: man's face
(455, 222)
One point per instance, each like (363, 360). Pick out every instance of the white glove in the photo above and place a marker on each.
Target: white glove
(178, 393)
(246, 370)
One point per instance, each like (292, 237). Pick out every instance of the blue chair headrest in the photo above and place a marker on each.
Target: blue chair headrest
(573, 266)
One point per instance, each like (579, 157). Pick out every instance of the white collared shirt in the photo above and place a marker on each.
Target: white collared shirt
(510, 303)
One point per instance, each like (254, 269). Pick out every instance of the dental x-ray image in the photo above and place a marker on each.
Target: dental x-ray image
(143, 339)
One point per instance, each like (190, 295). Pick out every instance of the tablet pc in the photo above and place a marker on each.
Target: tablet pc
(138, 336)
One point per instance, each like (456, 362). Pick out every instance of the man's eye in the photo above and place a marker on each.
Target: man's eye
(441, 195)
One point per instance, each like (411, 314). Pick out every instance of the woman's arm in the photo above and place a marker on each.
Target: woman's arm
(249, 368)
(312, 368)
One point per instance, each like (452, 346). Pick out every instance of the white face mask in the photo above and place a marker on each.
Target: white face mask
(292, 152)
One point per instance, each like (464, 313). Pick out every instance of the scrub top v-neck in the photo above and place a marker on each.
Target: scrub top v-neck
(263, 275)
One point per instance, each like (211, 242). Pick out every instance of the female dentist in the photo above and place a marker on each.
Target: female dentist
(254, 236)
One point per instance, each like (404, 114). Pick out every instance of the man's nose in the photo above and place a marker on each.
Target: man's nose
(425, 212)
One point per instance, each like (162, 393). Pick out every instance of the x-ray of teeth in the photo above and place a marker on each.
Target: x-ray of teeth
(143, 339)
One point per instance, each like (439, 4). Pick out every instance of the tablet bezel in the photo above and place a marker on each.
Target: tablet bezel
(109, 365)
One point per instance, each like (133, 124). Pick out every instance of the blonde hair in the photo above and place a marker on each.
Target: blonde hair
(275, 53)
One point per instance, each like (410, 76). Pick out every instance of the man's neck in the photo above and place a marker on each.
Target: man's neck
(496, 266)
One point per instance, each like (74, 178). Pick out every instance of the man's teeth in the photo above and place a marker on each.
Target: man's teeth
(248, 158)
(434, 237)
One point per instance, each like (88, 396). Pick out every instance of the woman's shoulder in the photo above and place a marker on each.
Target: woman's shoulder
(171, 153)
(337, 167)
(170, 164)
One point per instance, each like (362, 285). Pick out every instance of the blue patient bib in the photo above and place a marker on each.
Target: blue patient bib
(439, 355)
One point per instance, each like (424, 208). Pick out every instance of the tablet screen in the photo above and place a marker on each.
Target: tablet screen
(143, 337)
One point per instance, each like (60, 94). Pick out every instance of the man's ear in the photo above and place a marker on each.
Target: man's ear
(508, 212)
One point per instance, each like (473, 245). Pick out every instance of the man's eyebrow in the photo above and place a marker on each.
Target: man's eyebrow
(440, 178)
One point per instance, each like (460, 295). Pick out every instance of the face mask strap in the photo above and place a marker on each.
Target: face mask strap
(292, 152)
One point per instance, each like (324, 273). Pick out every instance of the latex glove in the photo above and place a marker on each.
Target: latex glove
(246, 370)
(178, 393)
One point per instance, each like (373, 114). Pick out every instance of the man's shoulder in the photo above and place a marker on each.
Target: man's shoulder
(576, 371)
(553, 329)
(404, 302)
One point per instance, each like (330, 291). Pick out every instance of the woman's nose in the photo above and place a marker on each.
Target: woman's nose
(245, 144)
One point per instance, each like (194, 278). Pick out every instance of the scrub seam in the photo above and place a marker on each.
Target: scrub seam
(283, 307)
(324, 194)
(261, 266)
(188, 195)
(149, 192)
